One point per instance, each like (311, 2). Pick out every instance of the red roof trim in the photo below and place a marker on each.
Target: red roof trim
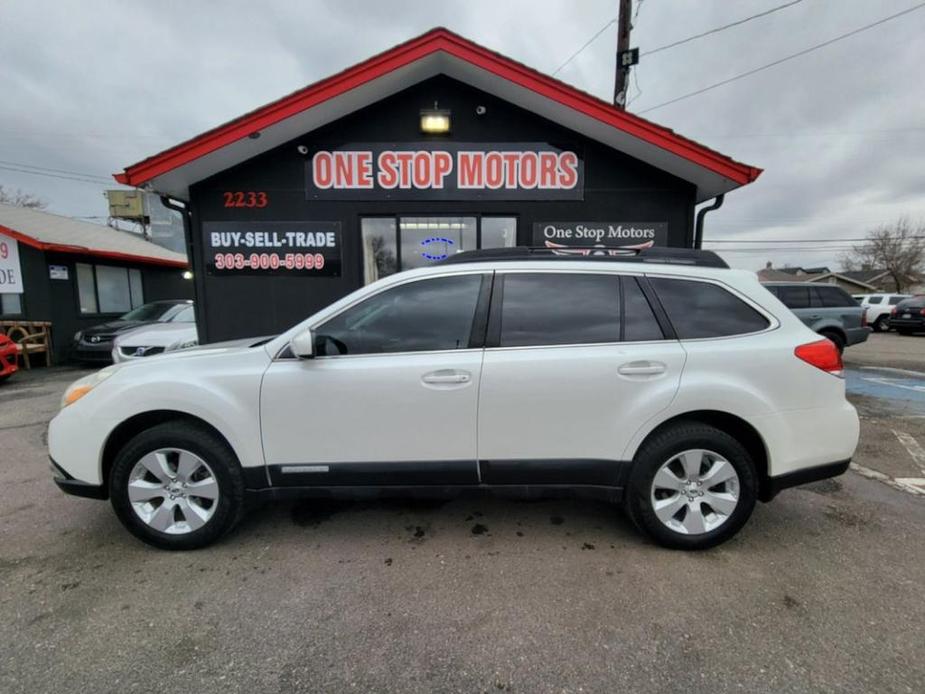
(435, 40)
(81, 250)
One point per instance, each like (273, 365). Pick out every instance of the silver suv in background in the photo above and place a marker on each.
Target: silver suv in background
(827, 309)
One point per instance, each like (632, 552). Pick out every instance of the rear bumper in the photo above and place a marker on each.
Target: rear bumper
(917, 324)
(69, 485)
(856, 335)
(774, 485)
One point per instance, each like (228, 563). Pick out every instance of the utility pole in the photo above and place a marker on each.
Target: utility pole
(622, 78)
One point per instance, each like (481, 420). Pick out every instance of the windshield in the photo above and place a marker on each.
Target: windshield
(186, 314)
(156, 311)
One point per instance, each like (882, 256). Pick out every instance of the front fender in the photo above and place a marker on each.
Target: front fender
(224, 392)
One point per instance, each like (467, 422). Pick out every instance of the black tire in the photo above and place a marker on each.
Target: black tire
(662, 447)
(213, 450)
(882, 324)
(835, 337)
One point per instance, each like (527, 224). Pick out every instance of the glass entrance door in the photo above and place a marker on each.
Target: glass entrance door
(392, 244)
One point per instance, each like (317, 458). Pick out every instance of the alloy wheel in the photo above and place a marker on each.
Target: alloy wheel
(695, 491)
(173, 491)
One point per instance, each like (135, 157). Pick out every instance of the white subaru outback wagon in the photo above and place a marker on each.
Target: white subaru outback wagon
(660, 379)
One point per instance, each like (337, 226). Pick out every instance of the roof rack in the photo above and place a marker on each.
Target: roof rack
(655, 254)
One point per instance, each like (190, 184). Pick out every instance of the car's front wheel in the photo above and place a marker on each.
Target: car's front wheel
(692, 486)
(882, 324)
(177, 486)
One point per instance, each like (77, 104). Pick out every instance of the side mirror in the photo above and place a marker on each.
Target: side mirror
(303, 345)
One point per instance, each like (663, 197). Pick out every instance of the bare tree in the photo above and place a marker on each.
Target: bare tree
(897, 248)
(21, 199)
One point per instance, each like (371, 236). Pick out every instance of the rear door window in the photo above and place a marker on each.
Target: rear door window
(701, 309)
(874, 299)
(794, 297)
(895, 300)
(559, 309)
(834, 297)
(639, 322)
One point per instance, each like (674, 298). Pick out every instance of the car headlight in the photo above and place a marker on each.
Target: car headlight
(183, 344)
(79, 334)
(78, 389)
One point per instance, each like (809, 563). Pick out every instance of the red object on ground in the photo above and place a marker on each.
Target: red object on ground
(9, 353)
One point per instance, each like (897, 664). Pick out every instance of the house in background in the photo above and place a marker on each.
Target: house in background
(75, 274)
(852, 281)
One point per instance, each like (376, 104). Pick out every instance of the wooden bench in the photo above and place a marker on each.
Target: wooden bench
(31, 337)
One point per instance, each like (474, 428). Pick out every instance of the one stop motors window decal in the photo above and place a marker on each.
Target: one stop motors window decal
(272, 248)
(445, 171)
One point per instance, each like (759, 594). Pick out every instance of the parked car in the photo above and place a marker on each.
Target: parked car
(9, 357)
(827, 309)
(179, 332)
(878, 308)
(95, 344)
(663, 380)
(908, 316)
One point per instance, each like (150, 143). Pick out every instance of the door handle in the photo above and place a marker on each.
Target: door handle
(642, 368)
(446, 377)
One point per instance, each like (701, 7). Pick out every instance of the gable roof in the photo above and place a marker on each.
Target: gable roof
(51, 232)
(438, 51)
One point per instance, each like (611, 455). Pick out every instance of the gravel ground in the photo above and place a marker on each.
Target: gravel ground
(820, 592)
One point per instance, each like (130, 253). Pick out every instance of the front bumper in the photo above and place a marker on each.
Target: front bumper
(69, 485)
(98, 352)
(8, 360)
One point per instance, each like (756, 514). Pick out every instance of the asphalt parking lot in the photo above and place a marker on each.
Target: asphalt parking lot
(822, 591)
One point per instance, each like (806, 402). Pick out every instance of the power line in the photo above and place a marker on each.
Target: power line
(910, 236)
(82, 174)
(54, 175)
(785, 59)
(722, 28)
(587, 43)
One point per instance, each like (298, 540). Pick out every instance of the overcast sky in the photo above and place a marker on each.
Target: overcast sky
(91, 86)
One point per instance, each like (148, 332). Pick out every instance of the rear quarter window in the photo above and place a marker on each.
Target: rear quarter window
(874, 299)
(699, 309)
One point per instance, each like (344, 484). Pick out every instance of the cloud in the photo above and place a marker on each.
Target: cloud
(92, 86)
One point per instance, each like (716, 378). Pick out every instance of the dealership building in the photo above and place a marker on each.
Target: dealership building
(435, 146)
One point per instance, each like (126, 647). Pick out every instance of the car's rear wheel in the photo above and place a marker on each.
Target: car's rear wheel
(692, 486)
(835, 337)
(882, 324)
(177, 485)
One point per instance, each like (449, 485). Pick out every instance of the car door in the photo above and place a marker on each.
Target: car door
(391, 395)
(574, 363)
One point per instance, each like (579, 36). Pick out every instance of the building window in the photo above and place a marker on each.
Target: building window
(10, 304)
(108, 289)
(391, 244)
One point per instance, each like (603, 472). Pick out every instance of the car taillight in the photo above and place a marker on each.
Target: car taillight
(823, 355)
(893, 312)
(864, 319)
(922, 312)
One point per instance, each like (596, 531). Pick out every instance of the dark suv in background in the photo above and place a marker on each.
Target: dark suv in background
(908, 316)
(827, 309)
(94, 344)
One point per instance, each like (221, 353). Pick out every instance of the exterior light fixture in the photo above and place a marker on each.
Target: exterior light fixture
(187, 275)
(435, 121)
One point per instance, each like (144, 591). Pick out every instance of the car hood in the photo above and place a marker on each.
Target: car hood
(157, 335)
(112, 327)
